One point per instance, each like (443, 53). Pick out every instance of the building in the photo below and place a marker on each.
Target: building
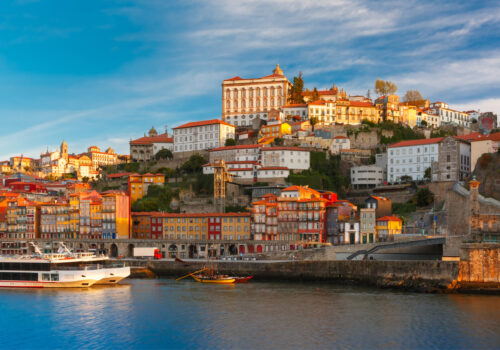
(115, 215)
(481, 144)
(99, 159)
(339, 143)
(22, 219)
(449, 116)
(408, 115)
(381, 161)
(336, 212)
(55, 221)
(275, 129)
(388, 108)
(411, 158)
(349, 230)
(424, 115)
(203, 135)
(454, 160)
(367, 225)
(23, 164)
(366, 176)
(388, 226)
(145, 148)
(138, 184)
(332, 94)
(382, 205)
(296, 110)
(244, 100)
(299, 213)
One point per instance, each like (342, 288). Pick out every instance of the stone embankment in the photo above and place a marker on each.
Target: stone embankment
(477, 271)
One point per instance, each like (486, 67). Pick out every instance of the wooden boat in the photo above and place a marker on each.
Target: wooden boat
(242, 279)
(214, 279)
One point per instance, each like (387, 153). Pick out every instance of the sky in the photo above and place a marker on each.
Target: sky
(102, 72)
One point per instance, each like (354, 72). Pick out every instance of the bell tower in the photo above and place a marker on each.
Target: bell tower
(64, 150)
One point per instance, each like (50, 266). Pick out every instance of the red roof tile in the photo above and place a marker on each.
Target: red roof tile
(360, 104)
(146, 140)
(228, 148)
(202, 123)
(284, 148)
(416, 142)
(389, 218)
(234, 78)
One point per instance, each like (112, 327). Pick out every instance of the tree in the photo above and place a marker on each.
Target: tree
(278, 141)
(85, 179)
(230, 142)
(315, 95)
(164, 154)
(427, 174)
(385, 87)
(405, 179)
(168, 172)
(414, 98)
(194, 164)
(313, 121)
(297, 90)
(424, 197)
(423, 123)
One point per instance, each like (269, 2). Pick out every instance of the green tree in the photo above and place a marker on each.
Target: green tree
(230, 142)
(423, 197)
(278, 141)
(423, 123)
(194, 164)
(427, 174)
(296, 95)
(385, 87)
(315, 94)
(168, 172)
(405, 179)
(85, 179)
(145, 204)
(164, 154)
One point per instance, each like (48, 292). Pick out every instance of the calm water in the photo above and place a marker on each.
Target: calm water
(181, 315)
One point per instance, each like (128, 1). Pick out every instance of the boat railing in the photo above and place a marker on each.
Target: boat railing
(79, 268)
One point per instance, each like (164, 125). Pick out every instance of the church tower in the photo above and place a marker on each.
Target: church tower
(64, 150)
(278, 70)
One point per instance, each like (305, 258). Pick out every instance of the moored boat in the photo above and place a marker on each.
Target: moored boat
(214, 279)
(242, 279)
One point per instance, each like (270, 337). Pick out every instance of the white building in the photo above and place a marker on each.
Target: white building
(339, 143)
(202, 135)
(411, 158)
(366, 176)
(293, 110)
(449, 116)
(145, 148)
(323, 111)
(235, 153)
(244, 100)
(294, 158)
(432, 120)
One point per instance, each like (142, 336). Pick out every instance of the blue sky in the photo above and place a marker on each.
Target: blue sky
(102, 72)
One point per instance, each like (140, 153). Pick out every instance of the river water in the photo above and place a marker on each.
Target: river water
(162, 313)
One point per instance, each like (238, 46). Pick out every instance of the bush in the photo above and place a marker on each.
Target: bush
(236, 209)
(130, 167)
(194, 164)
(230, 142)
(423, 197)
(164, 154)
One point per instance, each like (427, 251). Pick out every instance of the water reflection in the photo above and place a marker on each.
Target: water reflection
(168, 314)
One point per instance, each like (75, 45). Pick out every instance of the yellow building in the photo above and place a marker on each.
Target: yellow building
(275, 130)
(388, 108)
(388, 226)
(354, 112)
(408, 115)
(184, 226)
(55, 220)
(138, 184)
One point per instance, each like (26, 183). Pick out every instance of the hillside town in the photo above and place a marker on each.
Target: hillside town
(281, 164)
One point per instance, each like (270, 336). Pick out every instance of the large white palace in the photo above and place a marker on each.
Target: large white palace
(244, 100)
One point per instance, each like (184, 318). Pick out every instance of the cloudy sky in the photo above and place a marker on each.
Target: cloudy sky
(102, 72)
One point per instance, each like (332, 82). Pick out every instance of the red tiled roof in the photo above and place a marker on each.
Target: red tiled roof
(295, 105)
(472, 136)
(117, 175)
(284, 148)
(416, 142)
(227, 148)
(234, 78)
(360, 104)
(146, 140)
(273, 76)
(202, 123)
(240, 169)
(340, 137)
(389, 218)
(317, 102)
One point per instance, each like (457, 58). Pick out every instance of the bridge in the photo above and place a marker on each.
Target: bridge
(398, 245)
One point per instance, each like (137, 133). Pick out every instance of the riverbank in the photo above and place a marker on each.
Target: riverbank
(422, 276)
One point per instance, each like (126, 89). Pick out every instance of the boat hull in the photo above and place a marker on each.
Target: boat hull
(242, 279)
(114, 275)
(37, 284)
(214, 281)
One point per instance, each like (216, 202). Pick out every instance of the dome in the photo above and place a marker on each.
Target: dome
(278, 70)
(152, 132)
(110, 151)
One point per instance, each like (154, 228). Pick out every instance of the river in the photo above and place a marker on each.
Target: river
(162, 313)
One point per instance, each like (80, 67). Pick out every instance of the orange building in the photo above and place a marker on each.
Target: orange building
(138, 184)
(115, 215)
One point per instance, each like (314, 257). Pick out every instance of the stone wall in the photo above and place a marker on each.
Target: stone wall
(480, 265)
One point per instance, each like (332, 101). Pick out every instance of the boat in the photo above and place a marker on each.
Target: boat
(242, 279)
(214, 279)
(62, 270)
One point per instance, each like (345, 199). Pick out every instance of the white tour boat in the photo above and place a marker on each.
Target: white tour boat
(64, 269)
